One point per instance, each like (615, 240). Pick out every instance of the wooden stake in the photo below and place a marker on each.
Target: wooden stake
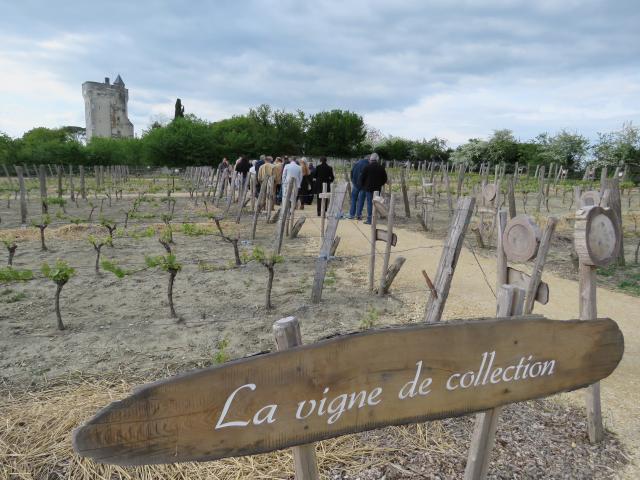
(509, 303)
(23, 195)
(589, 311)
(284, 214)
(335, 213)
(387, 250)
(372, 256)
(287, 335)
(449, 259)
(538, 266)
(405, 196)
(42, 176)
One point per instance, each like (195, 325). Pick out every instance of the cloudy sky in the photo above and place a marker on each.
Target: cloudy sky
(455, 69)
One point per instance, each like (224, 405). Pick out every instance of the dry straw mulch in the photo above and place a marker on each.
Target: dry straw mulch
(539, 439)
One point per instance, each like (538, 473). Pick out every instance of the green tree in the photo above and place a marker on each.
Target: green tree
(7, 149)
(502, 147)
(47, 145)
(471, 153)
(184, 141)
(335, 133)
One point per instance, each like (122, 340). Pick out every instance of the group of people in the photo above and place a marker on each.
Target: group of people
(368, 175)
(308, 178)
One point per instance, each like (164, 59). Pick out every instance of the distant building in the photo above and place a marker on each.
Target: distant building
(105, 109)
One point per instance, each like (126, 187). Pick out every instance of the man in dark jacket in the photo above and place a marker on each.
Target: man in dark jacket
(357, 194)
(373, 177)
(323, 174)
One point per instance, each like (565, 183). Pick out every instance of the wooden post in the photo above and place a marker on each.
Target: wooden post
(284, 213)
(253, 180)
(461, 169)
(372, 255)
(501, 257)
(449, 259)
(511, 195)
(42, 176)
(510, 302)
(321, 198)
(540, 188)
(243, 194)
(405, 195)
(538, 266)
(59, 172)
(72, 195)
(23, 196)
(261, 201)
(589, 311)
(448, 188)
(287, 335)
(335, 212)
(387, 250)
(83, 192)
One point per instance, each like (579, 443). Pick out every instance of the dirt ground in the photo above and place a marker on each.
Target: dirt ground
(122, 326)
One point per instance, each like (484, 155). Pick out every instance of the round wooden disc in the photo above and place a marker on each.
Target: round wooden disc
(597, 236)
(521, 238)
(589, 199)
(489, 192)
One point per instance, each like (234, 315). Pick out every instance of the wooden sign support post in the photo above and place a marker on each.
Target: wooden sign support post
(335, 213)
(372, 254)
(597, 240)
(510, 302)
(287, 334)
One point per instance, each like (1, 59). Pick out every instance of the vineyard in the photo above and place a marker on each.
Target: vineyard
(115, 276)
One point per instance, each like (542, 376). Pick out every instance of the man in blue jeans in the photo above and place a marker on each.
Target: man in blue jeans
(357, 194)
(373, 177)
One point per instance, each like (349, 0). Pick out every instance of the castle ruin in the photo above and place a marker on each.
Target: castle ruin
(105, 109)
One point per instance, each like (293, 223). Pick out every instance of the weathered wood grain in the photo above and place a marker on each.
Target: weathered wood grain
(183, 418)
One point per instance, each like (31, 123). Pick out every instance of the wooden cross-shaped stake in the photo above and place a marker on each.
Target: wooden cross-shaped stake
(321, 198)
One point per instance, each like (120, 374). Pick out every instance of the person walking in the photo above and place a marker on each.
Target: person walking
(373, 177)
(357, 193)
(243, 166)
(291, 170)
(305, 193)
(323, 174)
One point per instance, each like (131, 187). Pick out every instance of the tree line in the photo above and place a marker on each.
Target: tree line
(189, 140)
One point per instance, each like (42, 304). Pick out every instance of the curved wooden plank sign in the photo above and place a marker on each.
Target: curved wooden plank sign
(348, 384)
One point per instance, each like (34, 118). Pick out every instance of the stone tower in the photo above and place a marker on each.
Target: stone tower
(105, 109)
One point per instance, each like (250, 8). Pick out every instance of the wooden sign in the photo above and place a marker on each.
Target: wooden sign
(596, 236)
(349, 384)
(383, 235)
(521, 238)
